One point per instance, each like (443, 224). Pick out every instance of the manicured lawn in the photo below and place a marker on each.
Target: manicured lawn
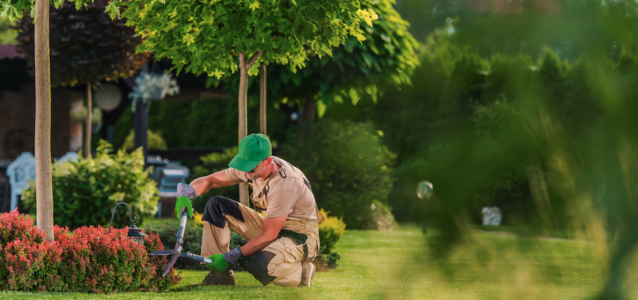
(398, 264)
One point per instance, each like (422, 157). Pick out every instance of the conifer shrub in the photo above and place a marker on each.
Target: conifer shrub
(87, 260)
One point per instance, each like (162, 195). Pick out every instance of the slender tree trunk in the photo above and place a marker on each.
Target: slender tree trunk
(262, 99)
(309, 110)
(243, 116)
(44, 188)
(89, 121)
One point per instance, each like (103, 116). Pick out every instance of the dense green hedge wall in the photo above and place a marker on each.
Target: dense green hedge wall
(455, 90)
(204, 123)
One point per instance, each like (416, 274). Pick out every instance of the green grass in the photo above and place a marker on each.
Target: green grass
(171, 221)
(398, 265)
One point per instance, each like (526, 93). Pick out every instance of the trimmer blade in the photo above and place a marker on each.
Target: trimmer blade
(170, 264)
(161, 252)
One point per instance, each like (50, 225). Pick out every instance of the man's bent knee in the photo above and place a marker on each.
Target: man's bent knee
(258, 266)
(219, 206)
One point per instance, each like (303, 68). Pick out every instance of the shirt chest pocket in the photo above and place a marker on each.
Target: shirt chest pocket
(260, 203)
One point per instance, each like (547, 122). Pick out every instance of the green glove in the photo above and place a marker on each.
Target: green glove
(181, 203)
(219, 263)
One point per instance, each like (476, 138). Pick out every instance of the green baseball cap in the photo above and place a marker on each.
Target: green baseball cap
(252, 150)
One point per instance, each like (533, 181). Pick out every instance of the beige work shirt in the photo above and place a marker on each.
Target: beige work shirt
(290, 196)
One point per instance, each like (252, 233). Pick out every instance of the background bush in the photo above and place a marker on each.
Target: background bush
(85, 191)
(212, 163)
(155, 141)
(454, 91)
(88, 260)
(347, 165)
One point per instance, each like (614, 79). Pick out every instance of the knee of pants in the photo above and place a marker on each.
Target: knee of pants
(258, 267)
(216, 199)
(219, 206)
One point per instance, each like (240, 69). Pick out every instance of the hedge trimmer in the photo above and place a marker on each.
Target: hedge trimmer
(177, 252)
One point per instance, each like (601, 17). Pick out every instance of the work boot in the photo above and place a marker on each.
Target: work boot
(215, 278)
(307, 273)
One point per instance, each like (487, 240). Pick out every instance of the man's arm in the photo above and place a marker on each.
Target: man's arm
(272, 226)
(204, 184)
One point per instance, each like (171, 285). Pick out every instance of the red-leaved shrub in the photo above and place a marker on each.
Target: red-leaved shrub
(87, 260)
(15, 226)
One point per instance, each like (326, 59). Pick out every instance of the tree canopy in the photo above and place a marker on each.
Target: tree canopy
(206, 37)
(86, 45)
(355, 70)
(386, 58)
(7, 34)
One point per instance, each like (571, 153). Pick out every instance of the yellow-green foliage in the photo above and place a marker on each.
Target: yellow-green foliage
(155, 141)
(330, 232)
(86, 190)
(197, 218)
(207, 36)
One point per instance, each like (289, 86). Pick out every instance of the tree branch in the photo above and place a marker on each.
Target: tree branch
(254, 59)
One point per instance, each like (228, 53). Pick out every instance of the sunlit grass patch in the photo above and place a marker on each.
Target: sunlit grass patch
(399, 265)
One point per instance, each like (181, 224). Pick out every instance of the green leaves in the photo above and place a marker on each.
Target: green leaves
(189, 39)
(9, 10)
(254, 5)
(205, 36)
(355, 70)
(111, 8)
(84, 192)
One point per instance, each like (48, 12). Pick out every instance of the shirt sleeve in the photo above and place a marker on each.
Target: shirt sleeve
(235, 175)
(281, 202)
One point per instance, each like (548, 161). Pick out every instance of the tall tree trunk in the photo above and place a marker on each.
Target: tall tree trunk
(243, 116)
(309, 110)
(262, 99)
(44, 188)
(89, 120)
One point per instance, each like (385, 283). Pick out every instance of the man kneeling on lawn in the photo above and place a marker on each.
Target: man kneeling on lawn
(283, 243)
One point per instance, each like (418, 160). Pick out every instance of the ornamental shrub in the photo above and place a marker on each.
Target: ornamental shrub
(155, 141)
(347, 165)
(14, 226)
(330, 232)
(88, 260)
(85, 191)
(27, 261)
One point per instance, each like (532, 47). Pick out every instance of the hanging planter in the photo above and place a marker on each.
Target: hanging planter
(153, 86)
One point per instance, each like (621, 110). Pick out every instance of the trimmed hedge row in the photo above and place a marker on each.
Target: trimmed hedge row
(87, 260)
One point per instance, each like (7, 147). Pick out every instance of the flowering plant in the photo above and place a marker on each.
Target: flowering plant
(153, 86)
